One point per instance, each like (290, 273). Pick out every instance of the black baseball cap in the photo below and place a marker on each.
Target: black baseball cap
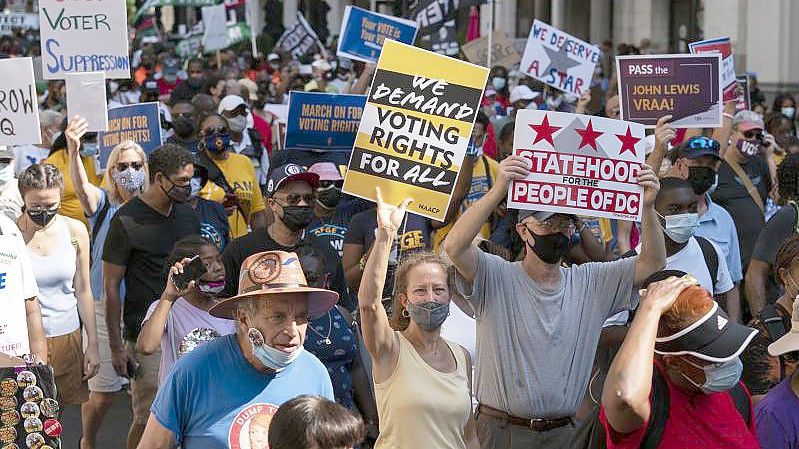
(698, 146)
(289, 172)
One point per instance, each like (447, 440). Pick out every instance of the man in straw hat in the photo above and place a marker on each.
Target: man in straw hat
(213, 394)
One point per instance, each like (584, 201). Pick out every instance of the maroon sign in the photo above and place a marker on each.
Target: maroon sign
(687, 87)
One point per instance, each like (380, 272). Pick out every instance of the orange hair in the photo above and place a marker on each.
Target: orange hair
(692, 304)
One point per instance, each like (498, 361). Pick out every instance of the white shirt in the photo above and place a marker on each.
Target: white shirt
(17, 283)
(691, 260)
(460, 328)
(27, 155)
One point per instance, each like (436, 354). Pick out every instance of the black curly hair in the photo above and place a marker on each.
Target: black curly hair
(788, 178)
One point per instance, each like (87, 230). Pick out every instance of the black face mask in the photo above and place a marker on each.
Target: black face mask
(297, 218)
(329, 197)
(176, 193)
(550, 248)
(43, 216)
(195, 82)
(184, 126)
(701, 179)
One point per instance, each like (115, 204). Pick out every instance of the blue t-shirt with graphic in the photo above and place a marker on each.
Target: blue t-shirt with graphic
(213, 398)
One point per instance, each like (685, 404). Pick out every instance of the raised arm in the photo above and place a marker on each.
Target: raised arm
(458, 244)
(88, 193)
(377, 333)
(653, 246)
(722, 135)
(153, 328)
(625, 395)
(664, 134)
(361, 86)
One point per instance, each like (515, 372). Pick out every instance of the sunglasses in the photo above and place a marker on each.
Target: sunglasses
(703, 143)
(753, 134)
(294, 199)
(122, 166)
(217, 130)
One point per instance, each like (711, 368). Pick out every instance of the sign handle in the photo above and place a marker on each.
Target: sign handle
(218, 60)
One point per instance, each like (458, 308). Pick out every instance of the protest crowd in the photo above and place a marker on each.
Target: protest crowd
(349, 241)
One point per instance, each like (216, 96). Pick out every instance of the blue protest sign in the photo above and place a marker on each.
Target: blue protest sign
(322, 121)
(140, 123)
(363, 33)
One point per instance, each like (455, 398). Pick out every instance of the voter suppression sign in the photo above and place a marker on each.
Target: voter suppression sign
(580, 164)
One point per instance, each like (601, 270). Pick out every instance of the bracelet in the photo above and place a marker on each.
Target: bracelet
(728, 115)
(362, 263)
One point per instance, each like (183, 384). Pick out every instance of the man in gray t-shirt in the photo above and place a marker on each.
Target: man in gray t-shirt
(538, 323)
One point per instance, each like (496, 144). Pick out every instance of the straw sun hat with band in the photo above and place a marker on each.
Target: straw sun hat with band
(268, 274)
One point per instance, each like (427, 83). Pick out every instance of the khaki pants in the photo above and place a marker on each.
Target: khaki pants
(65, 355)
(497, 434)
(145, 385)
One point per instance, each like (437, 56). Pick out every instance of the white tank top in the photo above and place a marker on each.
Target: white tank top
(54, 275)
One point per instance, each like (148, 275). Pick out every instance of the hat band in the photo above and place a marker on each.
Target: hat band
(275, 285)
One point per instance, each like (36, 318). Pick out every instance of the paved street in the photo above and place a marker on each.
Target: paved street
(113, 434)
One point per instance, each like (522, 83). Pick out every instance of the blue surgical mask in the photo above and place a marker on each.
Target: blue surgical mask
(498, 82)
(680, 228)
(788, 112)
(719, 377)
(88, 150)
(272, 358)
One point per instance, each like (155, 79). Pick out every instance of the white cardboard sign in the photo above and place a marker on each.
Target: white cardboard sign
(84, 36)
(580, 165)
(19, 107)
(86, 97)
(215, 28)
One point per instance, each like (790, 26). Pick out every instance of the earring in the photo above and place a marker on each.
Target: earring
(405, 313)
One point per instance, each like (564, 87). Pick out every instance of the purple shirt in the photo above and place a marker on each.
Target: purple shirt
(187, 328)
(777, 417)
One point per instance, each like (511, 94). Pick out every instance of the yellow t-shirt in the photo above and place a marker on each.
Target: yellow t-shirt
(70, 204)
(240, 174)
(479, 187)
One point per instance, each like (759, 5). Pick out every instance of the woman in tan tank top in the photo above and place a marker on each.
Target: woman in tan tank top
(422, 382)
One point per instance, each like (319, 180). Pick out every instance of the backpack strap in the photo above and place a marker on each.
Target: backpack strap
(775, 329)
(796, 209)
(742, 402)
(659, 411)
(711, 258)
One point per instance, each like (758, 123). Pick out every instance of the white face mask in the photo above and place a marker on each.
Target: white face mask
(238, 123)
(680, 228)
(272, 358)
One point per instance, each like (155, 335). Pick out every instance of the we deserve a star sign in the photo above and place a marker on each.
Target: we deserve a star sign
(580, 164)
(559, 59)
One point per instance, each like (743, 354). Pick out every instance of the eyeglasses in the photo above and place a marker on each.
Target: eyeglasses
(703, 143)
(323, 185)
(44, 207)
(561, 225)
(122, 166)
(294, 199)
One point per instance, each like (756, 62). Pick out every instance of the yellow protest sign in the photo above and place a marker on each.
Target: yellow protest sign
(415, 128)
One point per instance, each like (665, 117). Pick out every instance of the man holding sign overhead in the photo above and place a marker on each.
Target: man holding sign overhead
(538, 323)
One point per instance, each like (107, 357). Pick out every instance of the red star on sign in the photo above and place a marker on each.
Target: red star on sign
(588, 135)
(628, 142)
(544, 132)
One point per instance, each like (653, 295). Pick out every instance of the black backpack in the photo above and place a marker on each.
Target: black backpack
(775, 329)
(659, 413)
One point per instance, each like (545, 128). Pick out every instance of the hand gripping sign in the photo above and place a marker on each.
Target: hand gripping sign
(580, 164)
